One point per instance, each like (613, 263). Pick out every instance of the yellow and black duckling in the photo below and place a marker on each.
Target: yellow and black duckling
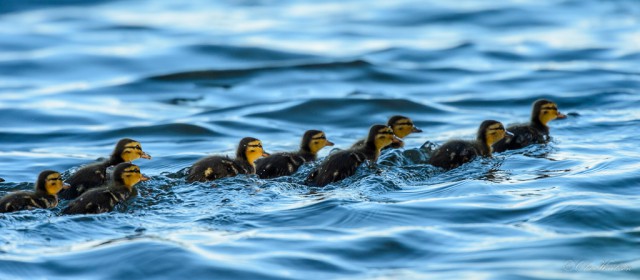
(216, 167)
(45, 195)
(457, 152)
(284, 164)
(343, 164)
(104, 199)
(95, 175)
(401, 126)
(534, 132)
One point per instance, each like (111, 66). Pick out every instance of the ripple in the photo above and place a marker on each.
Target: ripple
(230, 74)
(320, 111)
(190, 78)
(248, 53)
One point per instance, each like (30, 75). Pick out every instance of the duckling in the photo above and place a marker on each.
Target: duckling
(216, 167)
(45, 195)
(95, 175)
(457, 152)
(343, 164)
(534, 132)
(284, 164)
(401, 125)
(104, 199)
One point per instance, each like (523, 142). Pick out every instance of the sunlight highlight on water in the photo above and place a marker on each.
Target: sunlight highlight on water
(190, 78)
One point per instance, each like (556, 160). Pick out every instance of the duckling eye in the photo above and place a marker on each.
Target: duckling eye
(495, 129)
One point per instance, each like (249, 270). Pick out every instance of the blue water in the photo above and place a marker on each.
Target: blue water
(190, 78)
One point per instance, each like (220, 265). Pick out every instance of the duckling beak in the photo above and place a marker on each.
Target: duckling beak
(396, 140)
(508, 134)
(144, 178)
(329, 143)
(265, 154)
(561, 116)
(415, 130)
(145, 156)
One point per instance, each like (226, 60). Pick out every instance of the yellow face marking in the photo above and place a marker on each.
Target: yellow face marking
(318, 142)
(53, 183)
(402, 127)
(384, 138)
(254, 151)
(548, 112)
(132, 151)
(494, 133)
(131, 176)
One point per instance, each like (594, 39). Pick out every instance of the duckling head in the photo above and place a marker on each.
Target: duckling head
(250, 149)
(50, 182)
(381, 136)
(490, 132)
(313, 141)
(128, 174)
(402, 126)
(128, 150)
(545, 111)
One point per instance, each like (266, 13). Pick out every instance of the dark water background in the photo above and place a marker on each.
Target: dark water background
(190, 78)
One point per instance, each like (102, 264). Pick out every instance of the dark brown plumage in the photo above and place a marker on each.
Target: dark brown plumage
(44, 195)
(534, 132)
(95, 175)
(454, 153)
(343, 164)
(284, 164)
(104, 199)
(216, 167)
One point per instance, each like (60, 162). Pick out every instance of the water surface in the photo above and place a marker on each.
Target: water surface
(190, 78)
